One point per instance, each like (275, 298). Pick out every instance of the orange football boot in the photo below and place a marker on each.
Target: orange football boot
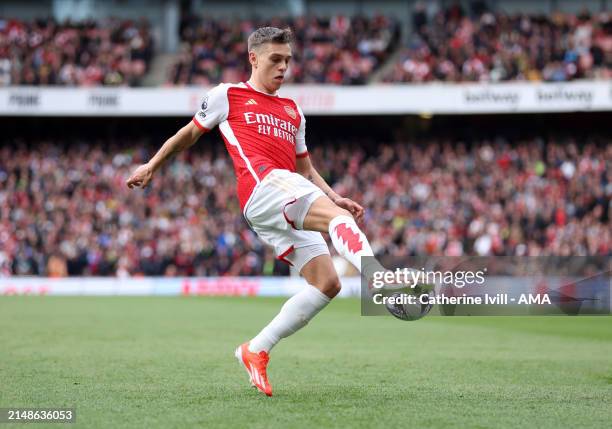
(255, 365)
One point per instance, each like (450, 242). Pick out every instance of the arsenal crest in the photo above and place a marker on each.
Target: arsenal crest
(290, 112)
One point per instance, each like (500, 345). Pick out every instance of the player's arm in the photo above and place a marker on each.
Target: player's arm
(213, 111)
(184, 138)
(304, 166)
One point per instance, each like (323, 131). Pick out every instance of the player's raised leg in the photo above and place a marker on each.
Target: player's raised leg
(348, 239)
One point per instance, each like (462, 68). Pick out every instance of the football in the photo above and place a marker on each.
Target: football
(406, 311)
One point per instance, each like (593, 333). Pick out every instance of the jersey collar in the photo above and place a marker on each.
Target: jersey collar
(248, 84)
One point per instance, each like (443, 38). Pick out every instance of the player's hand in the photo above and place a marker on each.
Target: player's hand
(350, 205)
(141, 177)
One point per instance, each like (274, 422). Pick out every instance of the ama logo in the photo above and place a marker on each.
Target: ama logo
(349, 237)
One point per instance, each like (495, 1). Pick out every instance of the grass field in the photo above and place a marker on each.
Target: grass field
(168, 363)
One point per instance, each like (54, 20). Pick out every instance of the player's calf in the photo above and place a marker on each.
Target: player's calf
(320, 273)
(330, 286)
(294, 315)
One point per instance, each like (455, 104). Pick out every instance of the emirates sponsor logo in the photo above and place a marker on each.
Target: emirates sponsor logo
(270, 125)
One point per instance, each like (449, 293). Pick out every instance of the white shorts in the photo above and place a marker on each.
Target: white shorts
(276, 212)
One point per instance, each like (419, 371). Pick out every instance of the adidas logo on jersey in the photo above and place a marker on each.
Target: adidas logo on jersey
(251, 101)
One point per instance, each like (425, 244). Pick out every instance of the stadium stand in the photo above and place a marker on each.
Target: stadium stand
(338, 50)
(45, 52)
(65, 210)
(452, 46)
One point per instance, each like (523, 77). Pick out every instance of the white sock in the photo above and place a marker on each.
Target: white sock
(294, 315)
(351, 243)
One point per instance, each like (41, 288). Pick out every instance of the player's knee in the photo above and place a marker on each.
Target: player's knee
(338, 211)
(330, 286)
(342, 212)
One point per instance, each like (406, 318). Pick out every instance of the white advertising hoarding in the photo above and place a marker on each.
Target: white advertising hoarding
(397, 99)
(205, 286)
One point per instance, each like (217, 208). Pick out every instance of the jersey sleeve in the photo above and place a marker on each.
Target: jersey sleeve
(214, 109)
(301, 150)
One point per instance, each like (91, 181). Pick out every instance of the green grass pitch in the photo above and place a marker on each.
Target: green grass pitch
(167, 362)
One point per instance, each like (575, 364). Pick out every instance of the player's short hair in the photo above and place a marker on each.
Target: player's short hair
(265, 35)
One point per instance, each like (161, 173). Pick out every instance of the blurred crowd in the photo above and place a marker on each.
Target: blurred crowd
(339, 50)
(450, 45)
(65, 210)
(90, 53)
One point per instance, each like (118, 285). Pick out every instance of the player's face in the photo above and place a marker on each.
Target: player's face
(270, 64)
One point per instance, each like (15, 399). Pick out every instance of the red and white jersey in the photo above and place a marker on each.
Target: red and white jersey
(262, 132)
